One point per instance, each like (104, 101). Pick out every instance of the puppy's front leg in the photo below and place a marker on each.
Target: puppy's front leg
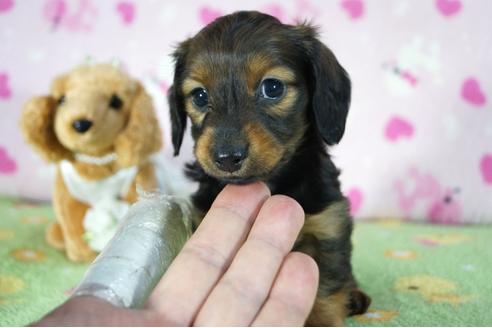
(332, 300)
(326, 237)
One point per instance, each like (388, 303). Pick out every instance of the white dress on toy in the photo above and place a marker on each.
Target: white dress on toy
(105, 196)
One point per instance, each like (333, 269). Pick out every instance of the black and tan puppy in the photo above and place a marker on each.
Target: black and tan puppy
(264, 100)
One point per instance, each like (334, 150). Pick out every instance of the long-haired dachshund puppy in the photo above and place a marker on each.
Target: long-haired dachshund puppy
(265, 99)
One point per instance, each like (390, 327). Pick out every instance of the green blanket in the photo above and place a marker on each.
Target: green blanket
(417, 275)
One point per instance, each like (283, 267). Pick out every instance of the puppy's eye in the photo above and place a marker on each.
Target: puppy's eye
(115, 102)
(61, 100)
(272, 88)
(200, 97)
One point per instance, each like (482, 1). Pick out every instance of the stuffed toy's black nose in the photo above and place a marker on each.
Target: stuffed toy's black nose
(82, 126)
(230, 161)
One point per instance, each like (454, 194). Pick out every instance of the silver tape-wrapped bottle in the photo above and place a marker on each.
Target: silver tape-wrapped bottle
(127, 270)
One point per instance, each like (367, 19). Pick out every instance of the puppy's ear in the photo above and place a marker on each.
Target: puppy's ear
(330, 88)
(142, 135)
(176, 98)
(37, 123)
(178, 118)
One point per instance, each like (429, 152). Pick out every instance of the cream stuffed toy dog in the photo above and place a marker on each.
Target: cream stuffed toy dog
(99, 126)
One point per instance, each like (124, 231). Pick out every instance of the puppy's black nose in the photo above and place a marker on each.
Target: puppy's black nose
(82, 126)
(230, 161)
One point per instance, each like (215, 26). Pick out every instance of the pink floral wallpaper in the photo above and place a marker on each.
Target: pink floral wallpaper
(419, 136)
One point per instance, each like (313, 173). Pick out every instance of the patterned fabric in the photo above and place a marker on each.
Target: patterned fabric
(417, 275)
(418, 141)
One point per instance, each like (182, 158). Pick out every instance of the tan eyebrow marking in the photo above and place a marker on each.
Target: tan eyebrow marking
(203, 71)
(256, 66)
(282, 73)
(260, 68)
(189, 85)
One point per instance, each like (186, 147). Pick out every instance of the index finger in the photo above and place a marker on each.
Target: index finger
(208, 253)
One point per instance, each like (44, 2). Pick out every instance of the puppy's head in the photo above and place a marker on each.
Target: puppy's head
(252, 86)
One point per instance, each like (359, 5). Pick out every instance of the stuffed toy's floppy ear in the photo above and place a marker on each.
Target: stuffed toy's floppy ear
(176, 98)
(37, 124)
(330, 89)
(142, 135)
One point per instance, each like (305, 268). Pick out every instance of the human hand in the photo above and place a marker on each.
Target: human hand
(236, 270)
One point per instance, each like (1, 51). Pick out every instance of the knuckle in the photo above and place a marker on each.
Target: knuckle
(249, 291)
(205, 253)
(273, 246)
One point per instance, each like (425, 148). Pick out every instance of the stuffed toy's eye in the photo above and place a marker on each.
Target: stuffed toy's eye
(272, 88)
(115, 102)
(61, 100)
(200, 97)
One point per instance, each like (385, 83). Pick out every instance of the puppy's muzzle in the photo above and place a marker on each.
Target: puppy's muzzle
(82, 126)
(230, 160)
